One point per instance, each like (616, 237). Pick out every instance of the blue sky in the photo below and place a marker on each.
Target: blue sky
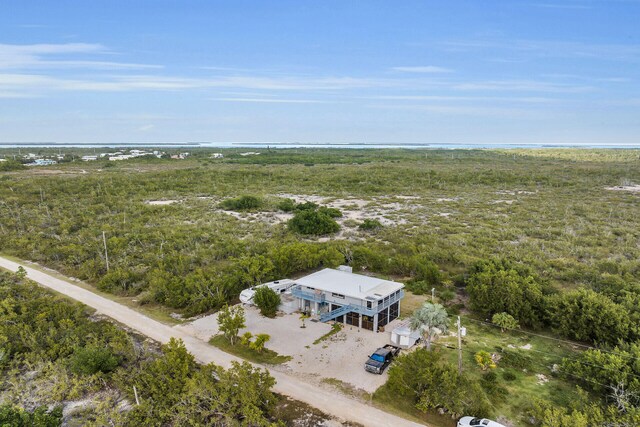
(539, 71)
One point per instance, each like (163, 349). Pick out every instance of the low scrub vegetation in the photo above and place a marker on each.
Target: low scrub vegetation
(537, 235)
(242, 203)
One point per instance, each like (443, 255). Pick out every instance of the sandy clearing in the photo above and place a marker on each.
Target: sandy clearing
(344, 408)
(341, 356)
(162, 202)
(629, 188)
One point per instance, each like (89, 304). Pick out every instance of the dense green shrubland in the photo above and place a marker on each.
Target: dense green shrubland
(425, 379)
(534, 234)
(52, 352)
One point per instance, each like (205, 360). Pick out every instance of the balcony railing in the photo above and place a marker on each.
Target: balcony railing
(319, 297)
(297, 292)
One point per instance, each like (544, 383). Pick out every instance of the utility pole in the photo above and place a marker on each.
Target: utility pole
(459, 346)
(106, 254)
(135, 393)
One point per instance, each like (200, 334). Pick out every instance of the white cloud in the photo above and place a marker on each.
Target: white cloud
(423, 69)
(32, 56)
(480, 111)
(521, 86)
(118, 83)
(532, 49)
(562, 6)
(270, 100)
(527, 100)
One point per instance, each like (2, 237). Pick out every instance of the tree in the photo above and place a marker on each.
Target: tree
(230, 321)
(267, 301)
(11, 165)
(430, 319)
(505, 321)
(240, 395)
(259, 342)
(312, 222)
(21, 273)
(245, 339)
(484, 360)
(586, 315)
(425, 379)
(303, 317)
(160, 384)
(40, 417)
(91, 359)
(496, 286)
(250, 271)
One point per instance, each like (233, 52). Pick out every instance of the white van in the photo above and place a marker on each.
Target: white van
(477, 422)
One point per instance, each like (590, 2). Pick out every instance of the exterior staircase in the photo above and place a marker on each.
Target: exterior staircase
(336, 313)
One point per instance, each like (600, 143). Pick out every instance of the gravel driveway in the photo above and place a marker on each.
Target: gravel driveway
(341, 356)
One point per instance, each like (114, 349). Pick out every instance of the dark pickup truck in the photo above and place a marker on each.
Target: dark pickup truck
(381, 358)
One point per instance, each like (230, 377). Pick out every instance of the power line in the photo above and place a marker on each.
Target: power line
(543, 365)
(588, 347)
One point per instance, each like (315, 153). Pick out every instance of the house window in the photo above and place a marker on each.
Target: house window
(333, 294)
(382, 318)
(393, 311)
(367, 322)
(368, 304)
(352, 318)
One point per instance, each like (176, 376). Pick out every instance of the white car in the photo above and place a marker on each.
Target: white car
(477, 422)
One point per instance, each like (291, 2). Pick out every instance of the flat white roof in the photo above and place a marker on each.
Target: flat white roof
(350, 284)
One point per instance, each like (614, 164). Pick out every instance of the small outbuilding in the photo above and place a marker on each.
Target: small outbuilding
(404, 337)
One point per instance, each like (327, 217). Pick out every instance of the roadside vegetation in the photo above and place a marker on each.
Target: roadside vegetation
(517, 242)
(57, 355)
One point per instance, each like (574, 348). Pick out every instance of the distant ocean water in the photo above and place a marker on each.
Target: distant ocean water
(446, 146)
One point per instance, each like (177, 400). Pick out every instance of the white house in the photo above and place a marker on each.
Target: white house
(353, 299)
(42, 162)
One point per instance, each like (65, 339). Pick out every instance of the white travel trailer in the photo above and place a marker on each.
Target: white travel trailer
(279, 286)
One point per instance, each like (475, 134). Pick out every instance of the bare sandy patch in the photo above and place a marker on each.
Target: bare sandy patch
(161, 202)
(514, 192)
(629, 188)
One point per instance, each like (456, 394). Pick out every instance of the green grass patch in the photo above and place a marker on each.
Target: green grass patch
(266, 356)
(347, 389)
(525, 388)
(389, 402)
(335, 328)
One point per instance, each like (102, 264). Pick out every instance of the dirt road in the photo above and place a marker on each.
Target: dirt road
(330, 403)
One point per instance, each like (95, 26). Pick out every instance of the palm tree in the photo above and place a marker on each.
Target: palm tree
(430, 319)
